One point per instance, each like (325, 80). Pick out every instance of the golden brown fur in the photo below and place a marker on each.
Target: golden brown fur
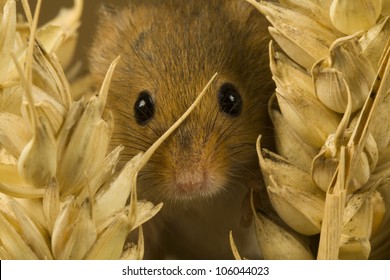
(172, 48)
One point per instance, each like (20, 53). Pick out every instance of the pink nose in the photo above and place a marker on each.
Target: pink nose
(190, 186)
(191, 181)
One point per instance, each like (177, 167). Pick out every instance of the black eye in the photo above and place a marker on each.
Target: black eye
(144, 108)
(229, 99)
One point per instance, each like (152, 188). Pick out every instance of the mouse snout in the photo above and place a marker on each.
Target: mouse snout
(190, 165)
(191, 180)
(196, 179)
(191, 173)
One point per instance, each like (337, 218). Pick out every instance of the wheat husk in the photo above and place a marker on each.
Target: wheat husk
(350, 167)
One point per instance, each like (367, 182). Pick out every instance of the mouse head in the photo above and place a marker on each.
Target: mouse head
(170, 50)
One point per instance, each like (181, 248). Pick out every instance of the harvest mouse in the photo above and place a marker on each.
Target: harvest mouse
(169, 51)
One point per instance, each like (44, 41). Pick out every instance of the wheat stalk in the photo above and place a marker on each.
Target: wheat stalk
(331, 116)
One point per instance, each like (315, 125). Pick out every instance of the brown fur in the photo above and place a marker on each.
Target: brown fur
(172, 48)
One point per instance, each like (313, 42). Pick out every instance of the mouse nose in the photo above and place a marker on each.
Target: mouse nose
(188, 181)
(190, 186)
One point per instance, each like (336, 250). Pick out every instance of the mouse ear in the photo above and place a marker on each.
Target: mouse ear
(253, 21)
(107, 10)
(111, 8)
(245, 13)
(240, 8)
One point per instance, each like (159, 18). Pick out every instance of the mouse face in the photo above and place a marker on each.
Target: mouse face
(169, 51)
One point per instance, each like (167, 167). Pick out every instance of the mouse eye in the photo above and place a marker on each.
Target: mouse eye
(229, 99)
(144, 108)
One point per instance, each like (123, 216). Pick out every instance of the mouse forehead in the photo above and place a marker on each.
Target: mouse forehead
(185, 50)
